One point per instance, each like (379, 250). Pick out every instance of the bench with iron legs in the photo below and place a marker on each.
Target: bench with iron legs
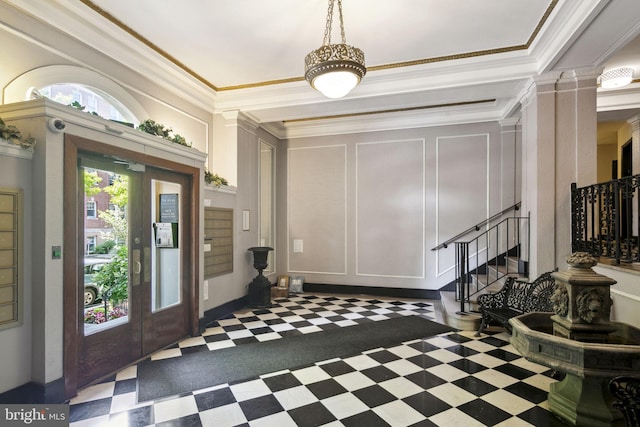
(516, 297)
(626, 391)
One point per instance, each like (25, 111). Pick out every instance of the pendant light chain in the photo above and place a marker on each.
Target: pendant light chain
(334, 69)
(328, 27)
(344, 38)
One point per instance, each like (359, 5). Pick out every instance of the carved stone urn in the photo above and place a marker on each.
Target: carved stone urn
(260, 288)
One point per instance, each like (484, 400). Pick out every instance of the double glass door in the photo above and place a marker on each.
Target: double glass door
(133, 250)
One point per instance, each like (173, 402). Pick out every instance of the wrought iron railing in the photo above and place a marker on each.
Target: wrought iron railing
(484, 259)
(605, 217)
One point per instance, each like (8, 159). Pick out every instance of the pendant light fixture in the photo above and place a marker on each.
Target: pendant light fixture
(334, 69)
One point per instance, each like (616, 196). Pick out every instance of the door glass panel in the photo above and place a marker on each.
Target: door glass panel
(106, 259)
(165, 250)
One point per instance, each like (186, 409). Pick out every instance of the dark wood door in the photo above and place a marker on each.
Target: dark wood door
(133, 244)
(110, 214)
(166, 255)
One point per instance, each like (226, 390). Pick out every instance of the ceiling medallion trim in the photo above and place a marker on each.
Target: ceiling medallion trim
(146, 42)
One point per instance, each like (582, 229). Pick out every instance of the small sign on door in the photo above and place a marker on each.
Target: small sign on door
(166, 234)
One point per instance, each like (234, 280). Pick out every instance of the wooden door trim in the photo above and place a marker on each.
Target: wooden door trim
(71, 321)
(70, 270)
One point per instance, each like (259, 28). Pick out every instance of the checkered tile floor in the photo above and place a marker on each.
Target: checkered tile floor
(453, 379)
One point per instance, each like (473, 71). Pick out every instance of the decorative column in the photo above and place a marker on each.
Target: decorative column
(559, 147)
(582, 301)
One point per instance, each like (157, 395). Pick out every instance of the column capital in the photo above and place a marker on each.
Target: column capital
(509, 124)
(240, 119)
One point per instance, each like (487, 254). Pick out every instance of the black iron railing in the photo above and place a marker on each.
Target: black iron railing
(605, 217)
(477, 227)
(490, 256)
(484, 258)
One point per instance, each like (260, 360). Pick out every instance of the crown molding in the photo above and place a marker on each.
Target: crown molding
(107, 38)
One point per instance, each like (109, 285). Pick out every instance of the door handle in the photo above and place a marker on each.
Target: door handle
(135, 273)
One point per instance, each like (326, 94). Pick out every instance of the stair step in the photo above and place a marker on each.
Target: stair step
(452, 316)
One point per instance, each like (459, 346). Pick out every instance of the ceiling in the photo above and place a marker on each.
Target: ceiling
(428, 61)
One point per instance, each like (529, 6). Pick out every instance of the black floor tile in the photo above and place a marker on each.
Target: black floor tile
(125, 386)
(193, 349)
(475, 386)
(379, 373)
(367, 418)
(93, 408)
(425, 379)
(383, 356)
(484, 412)
(213, 399)
(137, 417)
(426, 403)
(374, 395)
(337, 368)
(527, 392)
(315, 414)
(260, 407)
(192, 420)
(424, 361)
(503, 355)
(468, 366)
(281, 382)
(326, 388)
(514, 371)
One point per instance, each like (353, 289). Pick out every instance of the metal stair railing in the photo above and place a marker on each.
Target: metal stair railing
(487, 252)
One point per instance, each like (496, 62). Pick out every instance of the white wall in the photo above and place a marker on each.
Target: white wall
(240, 135)
(625, 293)
(369, 207)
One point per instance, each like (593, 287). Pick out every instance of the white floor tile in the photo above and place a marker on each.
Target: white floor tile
(223, 416)
(174, 408)
(344, 405)
(295, 397)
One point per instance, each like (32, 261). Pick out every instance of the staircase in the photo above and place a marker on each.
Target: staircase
(488, 282)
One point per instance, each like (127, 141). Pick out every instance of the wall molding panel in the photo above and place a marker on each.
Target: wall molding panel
(390, 209)
(317, 220)
(464, 180)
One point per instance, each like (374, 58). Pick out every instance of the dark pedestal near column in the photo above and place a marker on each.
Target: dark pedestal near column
(260, 288)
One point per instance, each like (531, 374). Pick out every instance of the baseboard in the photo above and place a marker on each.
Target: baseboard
(449, 287)
(221, 311)
(433, 294)
(31, 392)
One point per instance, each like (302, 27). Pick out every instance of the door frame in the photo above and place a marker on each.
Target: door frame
(73, 249)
